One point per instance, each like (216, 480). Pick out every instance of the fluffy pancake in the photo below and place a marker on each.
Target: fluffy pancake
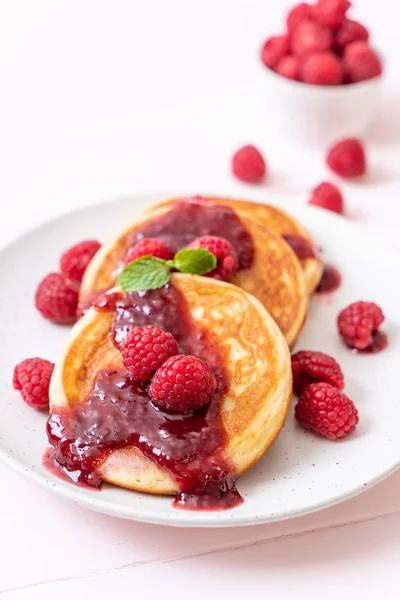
(271, 217)
(275, 277)
(256, 363)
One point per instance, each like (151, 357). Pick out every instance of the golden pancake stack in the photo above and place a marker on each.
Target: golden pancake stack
(252, 321)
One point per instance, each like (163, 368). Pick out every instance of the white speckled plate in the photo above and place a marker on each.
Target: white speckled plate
(301, 473)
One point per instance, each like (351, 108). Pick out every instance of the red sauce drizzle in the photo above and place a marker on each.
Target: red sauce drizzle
(300, 246)
(379, 343)
(118, 413)
(187, 220)
(330, 280)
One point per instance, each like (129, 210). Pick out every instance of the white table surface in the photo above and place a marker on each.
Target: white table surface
(104, 99)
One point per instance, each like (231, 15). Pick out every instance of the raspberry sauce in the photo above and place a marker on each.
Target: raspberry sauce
(379, 343)
(118, 412)
(330, 280)
(300, 246)
(194, 218)
(187, 220)
(50, 464)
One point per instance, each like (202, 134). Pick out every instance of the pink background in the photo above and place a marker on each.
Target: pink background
(101, 100)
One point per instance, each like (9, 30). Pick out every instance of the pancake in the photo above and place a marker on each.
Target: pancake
(256, 364)
(275, 276)
(273, 218)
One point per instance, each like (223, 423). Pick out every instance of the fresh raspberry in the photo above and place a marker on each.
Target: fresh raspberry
(183, 383)
(248, 164)
(313, 367)
(351, 31)
(327, 411)
(74, 261)
(32, 378)
(331, 13)
(347, 158)
(323, 68)
(288, 67)
(57, 299)
(358, 323)
(227, 262)
(149, 247)
(360, 62)
(301, 12)
(309, 37)
(273, 50)
(328, 196)
(145, 349)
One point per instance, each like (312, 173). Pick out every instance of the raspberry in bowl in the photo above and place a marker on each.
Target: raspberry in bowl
(323, 74)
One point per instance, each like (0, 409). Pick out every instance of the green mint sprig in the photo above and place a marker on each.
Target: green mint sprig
(150, 273)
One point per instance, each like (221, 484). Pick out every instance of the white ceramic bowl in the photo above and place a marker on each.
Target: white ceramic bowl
(319, 115)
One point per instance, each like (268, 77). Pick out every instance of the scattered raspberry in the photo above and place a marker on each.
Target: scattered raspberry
(328, 196)
(288, 67)
(360, 62)
(351, 31)
(149, 247)
(74, 261)
(145, 350)
(347, 158)
(32, 378)
(273, 50)
(248, 165)
(327, 411)
(309, 37)
(301, 12)
(57, 299)
(183, 383)
(227, 262)
(313, 367)
(358, 323)
(331, 13)
(323, 68)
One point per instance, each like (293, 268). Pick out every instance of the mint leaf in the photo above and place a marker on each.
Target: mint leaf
(194, 260)
(145, 273)
(150, 273)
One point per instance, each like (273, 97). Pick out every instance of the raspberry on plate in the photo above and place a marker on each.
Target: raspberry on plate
(248, 165)
(327, 411)
(32, 378)
(331, 13)
(360, 62)
(313, 367)
(358, 324)
(347, 158)
(327, 195)
(301, 12)
(273, 50)
(225, 253)
(310, 37)
(323, 68)
(351, 31)
(57, 299)
(145, 349)
(149, 247)
(183, 383)
(288, 67)
(74, 261)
